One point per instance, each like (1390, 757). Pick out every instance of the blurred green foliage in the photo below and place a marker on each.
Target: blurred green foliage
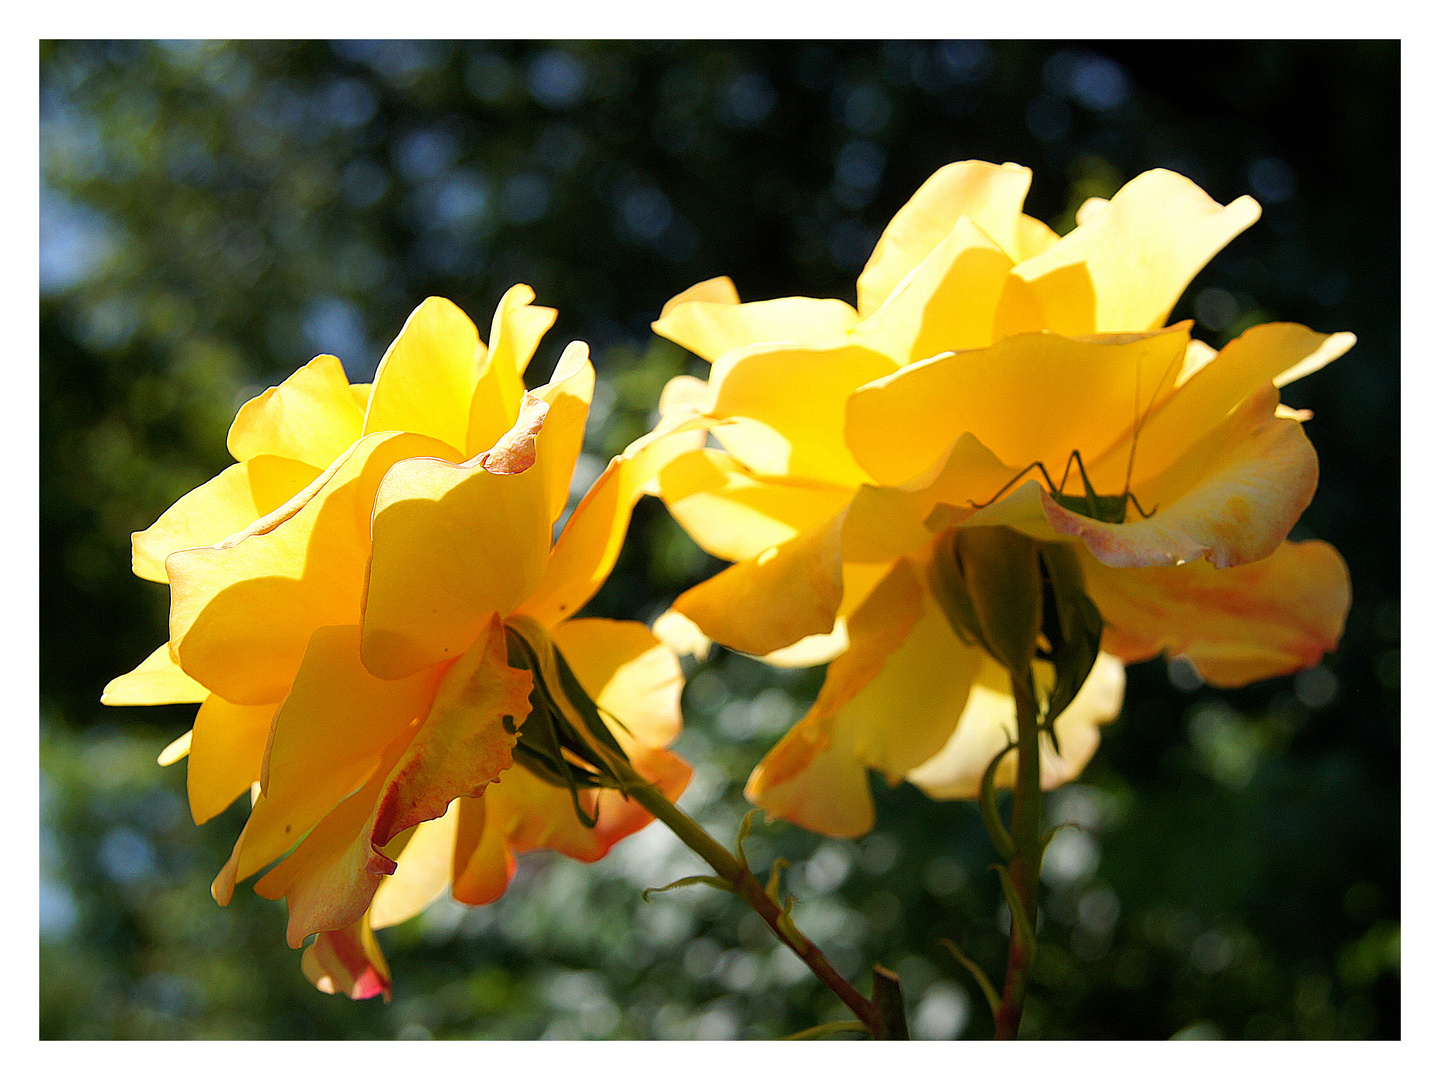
(214, 214)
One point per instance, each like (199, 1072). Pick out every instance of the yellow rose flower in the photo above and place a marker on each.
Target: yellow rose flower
(858, 439)
(347, 603)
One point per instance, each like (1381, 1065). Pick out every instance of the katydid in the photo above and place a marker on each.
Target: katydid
(1111, 509)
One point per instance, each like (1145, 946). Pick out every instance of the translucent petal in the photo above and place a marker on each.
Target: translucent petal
(1236, 625)
(218, 508)
(988, 723)
(629, 673)
(242, 612)
(452, 545)
(1126, 265)
(427, 377)
(227, 747)
(733, 514)
(990, 195)
(771, 600)
(791, 400)
(514, 333)
(311, 417)
(1030, 397)
(422, 871)
(158, 680)
(709, 320)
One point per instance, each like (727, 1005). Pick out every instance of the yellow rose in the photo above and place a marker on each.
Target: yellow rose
(346, 606)
(858, 439)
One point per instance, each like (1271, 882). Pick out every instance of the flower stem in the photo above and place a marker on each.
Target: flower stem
(1024, 867)
(882, 1017)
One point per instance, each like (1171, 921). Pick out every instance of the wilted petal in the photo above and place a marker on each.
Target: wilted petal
(349, 962)
(311, 417)
(1237, 625)
(451, 546)
(989, 195)
(1232, 499)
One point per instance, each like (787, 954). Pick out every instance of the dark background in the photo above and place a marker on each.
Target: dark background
(212, 215)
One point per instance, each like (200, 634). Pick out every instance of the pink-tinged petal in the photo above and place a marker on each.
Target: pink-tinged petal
(732, 513)
(1030, 397)
(771, 600)
(1236, 625)
(422, 871)
(815, 776)
(311, 417)
(158, 680)
(427, 377)
(946, 303)
(630, 673)
(242, 611)
(349, 962)
(1123, 269)
(581, 559)
(221, 507)
(989, 195)
(451, 546)
(515, 330)
(785, 404)
(567, 395)
(988, 723)
(227, 748)
(709, 320)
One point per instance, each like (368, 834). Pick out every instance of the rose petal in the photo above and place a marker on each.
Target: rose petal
(426, 378)
(709, 320)
(1236, 625)
(311, 417)
(157, 680)
(349, 962)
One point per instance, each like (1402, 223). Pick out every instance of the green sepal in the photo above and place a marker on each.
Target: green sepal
(695, 879)
(947, 585)
(889, 1002)
(1018, 919)
(1002, 575)
(772, 886)
(1071, 624)
(978, 973)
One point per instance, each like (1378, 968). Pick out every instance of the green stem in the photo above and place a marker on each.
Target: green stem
(877, 1016)
(1024, 867)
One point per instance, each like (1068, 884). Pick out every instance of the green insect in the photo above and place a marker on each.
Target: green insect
(1111, 509)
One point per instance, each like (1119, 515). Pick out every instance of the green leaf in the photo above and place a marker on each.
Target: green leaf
(1073, 626)
(1019, 919)
(821, 1030)
(696, 879)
